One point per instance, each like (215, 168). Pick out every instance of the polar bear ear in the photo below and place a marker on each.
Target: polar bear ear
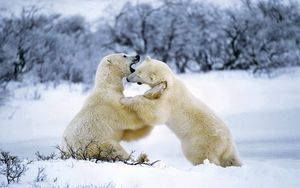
(148, 58)
(152, 76)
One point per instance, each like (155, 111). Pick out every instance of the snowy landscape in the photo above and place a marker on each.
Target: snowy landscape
(262, 113)
(261, 110)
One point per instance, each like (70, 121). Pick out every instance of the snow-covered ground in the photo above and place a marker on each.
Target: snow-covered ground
(262, 113)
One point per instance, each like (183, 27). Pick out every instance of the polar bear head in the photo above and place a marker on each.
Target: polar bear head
(154, 73)
(121, 63)
(115, 67)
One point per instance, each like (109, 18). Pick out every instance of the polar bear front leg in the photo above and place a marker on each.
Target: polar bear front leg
(112, 150)
(149, 111)
(145, 99)
(136, 103)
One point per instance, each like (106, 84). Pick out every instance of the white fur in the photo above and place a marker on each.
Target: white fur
(202, 134)
(102, 119)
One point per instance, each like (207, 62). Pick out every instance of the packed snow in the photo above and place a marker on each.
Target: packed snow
(262, 114)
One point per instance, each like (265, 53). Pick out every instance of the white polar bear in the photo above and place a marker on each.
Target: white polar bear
(202, 134)
(103, 121)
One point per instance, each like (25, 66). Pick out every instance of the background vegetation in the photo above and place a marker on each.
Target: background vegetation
(189, 36)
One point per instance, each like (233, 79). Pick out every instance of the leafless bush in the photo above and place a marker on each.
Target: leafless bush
(11, 167)
(41, 157)
(72, 152)
(141, 160)
(90, 151)
(41, 176)
(103, 152)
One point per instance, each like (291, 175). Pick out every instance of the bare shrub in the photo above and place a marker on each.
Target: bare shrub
(41, 175)
(11, 167)
(141, 160)
(106, 153)
(41, 157)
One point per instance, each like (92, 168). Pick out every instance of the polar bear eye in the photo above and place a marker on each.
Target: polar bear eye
(124, 56)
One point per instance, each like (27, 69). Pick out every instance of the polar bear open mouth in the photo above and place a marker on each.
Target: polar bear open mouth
(134, 61)
(132, 70)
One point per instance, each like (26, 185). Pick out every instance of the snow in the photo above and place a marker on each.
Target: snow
(70, 173)
(262, 114)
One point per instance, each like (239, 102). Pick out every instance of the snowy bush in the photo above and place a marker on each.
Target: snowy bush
(257, 36)
(262, 36)
(11, 167)
(46, 48)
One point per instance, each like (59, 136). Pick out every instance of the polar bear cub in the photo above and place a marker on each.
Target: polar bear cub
(203, 135)
(103, 121)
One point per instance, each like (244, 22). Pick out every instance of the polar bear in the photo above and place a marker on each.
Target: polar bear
(103, 121)
(203, 135)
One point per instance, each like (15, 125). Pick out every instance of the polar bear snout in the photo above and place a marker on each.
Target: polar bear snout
(132, 78)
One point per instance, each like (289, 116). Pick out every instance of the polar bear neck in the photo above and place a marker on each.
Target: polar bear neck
(109, 80)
